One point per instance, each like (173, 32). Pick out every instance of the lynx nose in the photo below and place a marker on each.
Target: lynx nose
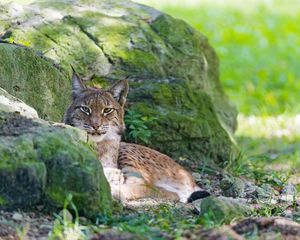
(96, 126)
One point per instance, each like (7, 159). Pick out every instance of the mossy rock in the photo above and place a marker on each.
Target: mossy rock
(41, 163)
(172, 69)
(232, 187)
(181, 129)
(222, 209)
(34, 80)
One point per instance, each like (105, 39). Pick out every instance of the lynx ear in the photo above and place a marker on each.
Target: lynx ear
(119, 91)
(77, 85)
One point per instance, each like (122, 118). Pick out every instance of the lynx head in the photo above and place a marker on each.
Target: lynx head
(99, 112)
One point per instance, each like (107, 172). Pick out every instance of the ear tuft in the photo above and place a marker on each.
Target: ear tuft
(119, 91)
(77, 85)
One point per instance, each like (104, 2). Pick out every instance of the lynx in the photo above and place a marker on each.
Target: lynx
(133, 171)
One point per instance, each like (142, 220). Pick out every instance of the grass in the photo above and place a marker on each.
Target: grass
(154, 223)
(272, 143)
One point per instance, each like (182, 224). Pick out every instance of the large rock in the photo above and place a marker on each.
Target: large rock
(172, 69)
(42, 163)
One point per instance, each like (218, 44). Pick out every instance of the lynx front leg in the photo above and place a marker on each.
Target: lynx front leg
(108, 151)
(134, 188)
(126, 185)
(115, 179)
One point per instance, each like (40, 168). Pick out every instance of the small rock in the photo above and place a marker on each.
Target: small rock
(266, 227)
(222, 209)
(288, 213)
(34, 230)
(197, 177)
(197, 206)
(232, 187)
(222, 233)
(27, 218)
(46, 227)
(289, 189)
(12, 104)
(265, 191)
(17, 216)
(287, 198)
(250, 190)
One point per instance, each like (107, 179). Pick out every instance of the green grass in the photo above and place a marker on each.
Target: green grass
(153, 222)
(272, 143)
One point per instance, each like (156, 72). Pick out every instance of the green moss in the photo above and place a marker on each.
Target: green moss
(43, 163)
(22, 185)
(14, 152)
(34, 80)
(84, 201)
(3, 200)
(181, 129)
(58, 5)
(73, 169)
(141, 62)
(223, 210)
(232, 187)
(67, 36)
(194, 54)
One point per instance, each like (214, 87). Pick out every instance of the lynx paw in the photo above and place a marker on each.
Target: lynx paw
(114, 176)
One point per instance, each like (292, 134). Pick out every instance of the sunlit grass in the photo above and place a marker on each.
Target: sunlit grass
(272, 141)
(275, 127)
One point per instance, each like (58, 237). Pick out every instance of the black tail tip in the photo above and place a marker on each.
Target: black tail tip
(198, 195)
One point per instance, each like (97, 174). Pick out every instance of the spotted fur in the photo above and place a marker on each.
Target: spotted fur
(133, 171)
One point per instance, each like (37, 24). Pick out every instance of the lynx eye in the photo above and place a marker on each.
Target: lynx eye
(85, 109)
(108, 110)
